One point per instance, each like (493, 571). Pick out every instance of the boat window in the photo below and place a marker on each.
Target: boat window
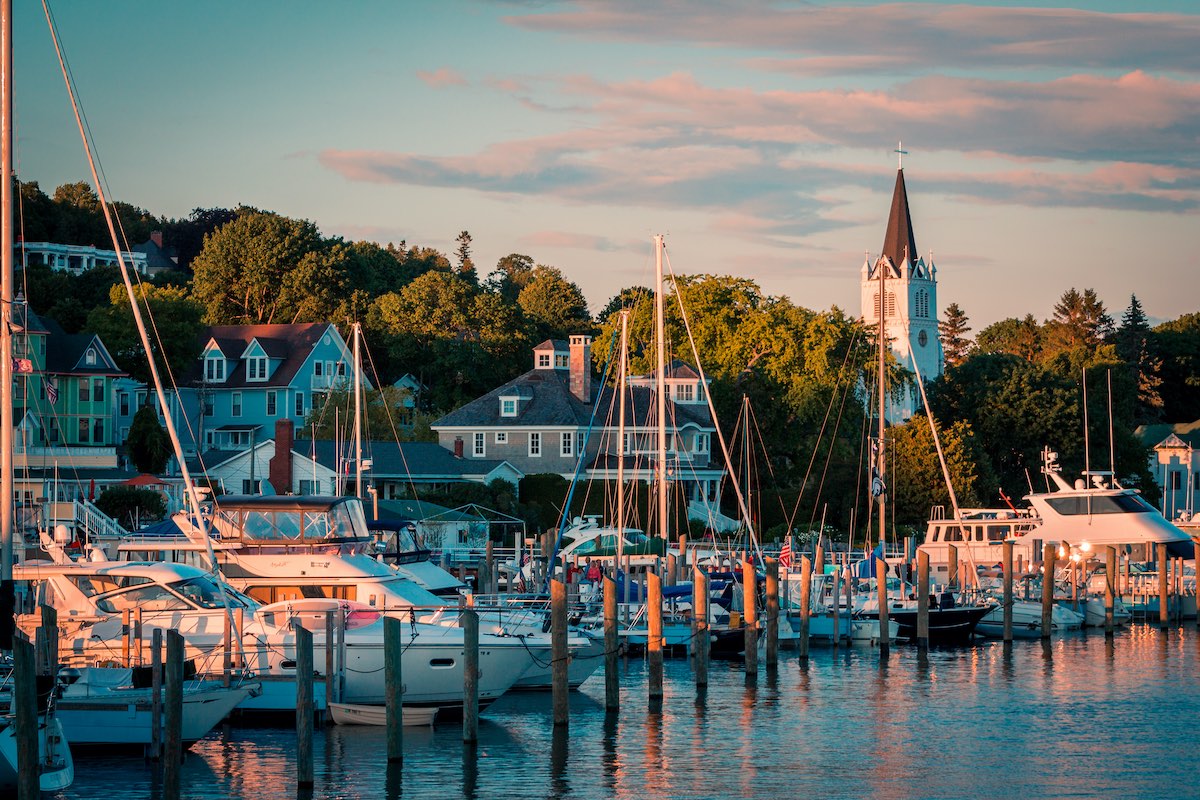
(937, 534)
(1103, 504)
(979, 533)
(953, 534)
(147, 598)
(92, 585)
(998, 533)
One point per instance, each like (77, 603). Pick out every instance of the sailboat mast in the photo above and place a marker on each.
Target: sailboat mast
(660, 385)
(621, 434)
(357, 412)
(881, 458)
(7, 591)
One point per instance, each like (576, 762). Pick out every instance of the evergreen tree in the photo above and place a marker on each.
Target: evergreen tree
(147, 443)
(1080, 320)
(466, 267)
(953, 332)
(1135, 347)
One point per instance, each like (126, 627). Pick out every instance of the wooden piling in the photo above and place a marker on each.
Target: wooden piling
(672, 569)
(952, 565)
(1110, 590)
(126, 632)
(612, 684)
(682, 564)
(25, 710)
(700, 635)
(1008, 590)
(50, 628)
(558, 652)
(1048, 553)
(819, 557)
(772, 613)
(654, 634)
(156, 699)
(304, 704)
(173, 714)
(750, 616)
(489, 563)
(138, 644)
(330, 651)
(469, 620)
(805, 603)
(922, 600)
(393, 653)
(885, 625)
(227, 650)
(1164, 608)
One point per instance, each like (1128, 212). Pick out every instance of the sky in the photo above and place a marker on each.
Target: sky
(1049, 145)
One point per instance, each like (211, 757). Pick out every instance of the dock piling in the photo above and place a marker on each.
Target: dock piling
(25, 710)
(654, 634)
(156, 698)
(750, 616)
(173, 712)
(393, 651)
(772, 613)
(304, 703)
(1048, 553)
(612, 684)
(469, 620)
(558, 652)
(1110, 576)
(922, 600)
(885, 625)
(805, 604)
(700, 640)
(1164, 607)
(1008, 590)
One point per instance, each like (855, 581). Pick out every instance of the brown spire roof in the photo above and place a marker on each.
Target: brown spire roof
(898, 242)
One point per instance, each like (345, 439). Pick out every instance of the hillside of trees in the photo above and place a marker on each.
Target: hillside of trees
(1008, 391)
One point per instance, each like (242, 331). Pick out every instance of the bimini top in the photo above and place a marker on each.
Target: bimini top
(279, 502)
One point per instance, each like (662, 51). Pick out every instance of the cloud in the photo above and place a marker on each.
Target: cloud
(442, 77)
(578, 241)
(910, 36)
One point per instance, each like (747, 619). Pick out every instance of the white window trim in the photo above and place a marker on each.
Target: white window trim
(543, 360)
(235, 404)
(505, 409)
(566, 446)
(256, 369)
(501, 437)
(272, 398)
(479, 445)
(535, 444)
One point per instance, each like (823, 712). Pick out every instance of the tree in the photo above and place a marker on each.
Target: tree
(148, 445)
(1178, 344)
(1080, 320)
(265, 268)
(953, 332)
(173, 321)
(466, 267)
(132, 506)
(186, 236)
(510, 276)
(1017, 337)
(383, 410)
(1134, 345)
(555, 305)
(917, 483)
(625, 299)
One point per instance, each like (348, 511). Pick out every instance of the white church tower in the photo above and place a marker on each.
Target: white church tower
(911, 303)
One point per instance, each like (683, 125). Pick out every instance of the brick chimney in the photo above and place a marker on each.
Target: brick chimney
(279, 471)
(458, 446)
(581, 367)
(156, 237)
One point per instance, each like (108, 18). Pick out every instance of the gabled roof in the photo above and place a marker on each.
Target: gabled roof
(292, 344)
(157, 257)
(675, 370)
(65, 353)
(551, 404)
(898, 242)
(1166, 435)
(416, 459)
(24, 318)
(553, 344)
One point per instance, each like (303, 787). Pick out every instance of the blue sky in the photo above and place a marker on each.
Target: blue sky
(1050, 145)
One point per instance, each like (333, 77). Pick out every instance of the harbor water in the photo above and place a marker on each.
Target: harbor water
(1075, 717)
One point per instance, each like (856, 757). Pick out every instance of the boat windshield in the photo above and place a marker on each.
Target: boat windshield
(185, 595)
(339, 521)
(1099, 504)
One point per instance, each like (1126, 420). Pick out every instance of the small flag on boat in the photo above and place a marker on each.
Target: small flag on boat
(22, 365)
(877, 485)
(785, 553)
(52, 390)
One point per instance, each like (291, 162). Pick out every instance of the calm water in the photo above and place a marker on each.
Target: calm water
(1076, 718)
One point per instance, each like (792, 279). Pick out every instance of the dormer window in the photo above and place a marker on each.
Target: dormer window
(543, 361)
(508, 406)
(562, 361)
(256, 368)
(685, 392)
(214, 369)
(89, 357)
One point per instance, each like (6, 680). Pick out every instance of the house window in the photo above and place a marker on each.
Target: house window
(300, 406)
(543, 360)
(84, 429)
(124, 432)
(308, 487)
(480, 448)
(701, 443)
(535, 445)
(685, 392)
(123, 402)
(98, 430)
(508, 406)
(341, 369)
(1176, 480)
(256, 368)
(567, 444)
(85, 390)
(1196, 481)
(235, 402)
(208, 438)
(501, 437)
(209, 405)
(272, 404)
(561, 361)
(318, 368)
(624, 442)
(247, 488)
(214, 369)
(89, 357)
(98, 389)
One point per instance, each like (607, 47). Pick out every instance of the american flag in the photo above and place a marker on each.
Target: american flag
(785, 553)
(52, 390)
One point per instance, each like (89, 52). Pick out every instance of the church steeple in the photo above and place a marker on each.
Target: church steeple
(898, 242)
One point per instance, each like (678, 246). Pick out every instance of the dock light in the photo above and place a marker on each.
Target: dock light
(1085, 547)
(1062, 551)
(1075, 557)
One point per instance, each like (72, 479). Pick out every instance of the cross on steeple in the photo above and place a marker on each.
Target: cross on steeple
(901, 153)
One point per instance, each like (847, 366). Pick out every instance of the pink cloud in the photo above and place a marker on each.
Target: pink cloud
(442, 77)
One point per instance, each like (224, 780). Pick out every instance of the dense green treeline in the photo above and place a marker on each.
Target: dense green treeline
(1010, 390)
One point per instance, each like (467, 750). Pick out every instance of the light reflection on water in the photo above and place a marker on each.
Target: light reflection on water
(1076, 717)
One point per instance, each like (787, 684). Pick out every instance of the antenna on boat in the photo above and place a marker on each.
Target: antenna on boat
(1112, 444)
(1087, 455)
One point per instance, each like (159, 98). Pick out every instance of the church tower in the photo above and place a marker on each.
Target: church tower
(910, 306)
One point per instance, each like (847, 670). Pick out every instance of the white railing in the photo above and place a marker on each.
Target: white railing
(94, 522)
